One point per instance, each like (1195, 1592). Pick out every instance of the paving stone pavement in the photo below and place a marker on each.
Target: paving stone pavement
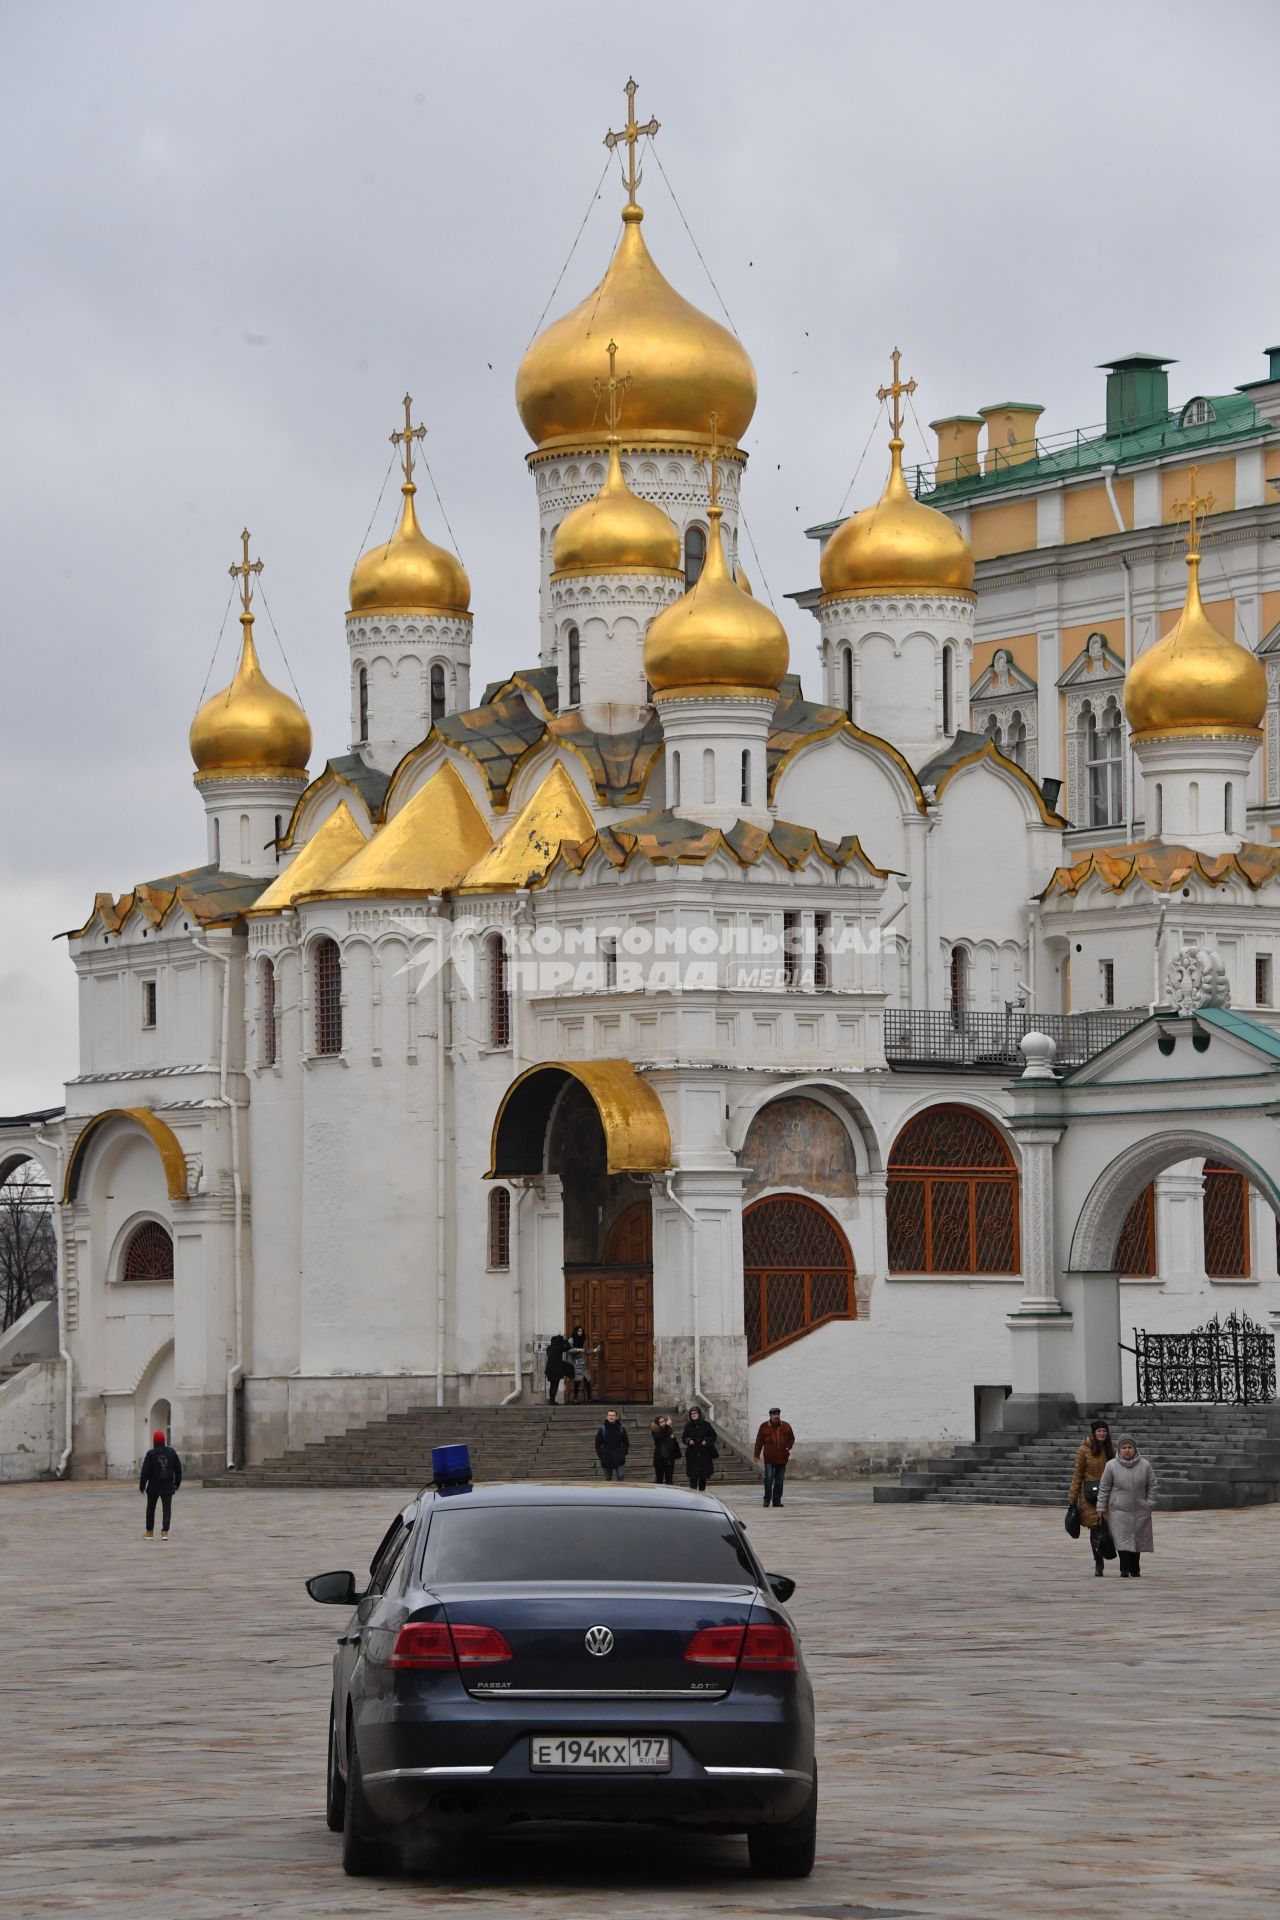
(1001, 1736)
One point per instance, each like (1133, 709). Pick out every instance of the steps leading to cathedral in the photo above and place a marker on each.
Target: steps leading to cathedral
(1203, 1457)
(527, 1442)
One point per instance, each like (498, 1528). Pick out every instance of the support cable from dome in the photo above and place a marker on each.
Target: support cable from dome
(279, 642)
(923, 442)
(217, 643)
(440, 503)
(755, 555)
(377, 503)
(689, 230)
(858, 469)
(569, 256)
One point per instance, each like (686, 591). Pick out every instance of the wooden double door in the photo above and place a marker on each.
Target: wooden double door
(614, 1302)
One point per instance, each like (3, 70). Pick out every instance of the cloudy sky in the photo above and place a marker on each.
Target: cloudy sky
(234, 233)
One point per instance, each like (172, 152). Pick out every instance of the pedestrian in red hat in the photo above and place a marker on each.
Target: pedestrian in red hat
(160, 1479)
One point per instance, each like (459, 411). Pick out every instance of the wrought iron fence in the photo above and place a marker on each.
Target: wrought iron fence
(1225, 1362)
(990, 1042)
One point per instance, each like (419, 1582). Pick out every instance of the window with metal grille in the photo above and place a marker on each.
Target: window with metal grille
(148, 1003)
(792, 956)
(438, 703)
(952, 1201)
(148, 1254)
(574, 647)
(362, 694)
(1107, 972)
(746, 777)
(846, 662)
(797, 1271)
(1226, 1222)
(695, 554)
(821, 942)
(959, 982)
(328, 989)
(1136, 1247)
(948, 691)
(1262, 979)
(1103, 764)
(499, 993)
(609, 954)
(267, 1015)
(500, 1228)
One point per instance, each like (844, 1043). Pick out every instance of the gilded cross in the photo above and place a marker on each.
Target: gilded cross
(631, 133)
(713, 457)
(404, 438)
(894, 391)
(245, 571)
(1194, 507)
(611, 387)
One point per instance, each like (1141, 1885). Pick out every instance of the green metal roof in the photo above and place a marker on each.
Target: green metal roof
(1241, 1027)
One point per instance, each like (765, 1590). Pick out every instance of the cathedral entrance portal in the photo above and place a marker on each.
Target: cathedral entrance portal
(614, 1302)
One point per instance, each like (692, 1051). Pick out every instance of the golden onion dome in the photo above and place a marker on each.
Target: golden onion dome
(716, 636)
(250, 727)
(616, 532)
(684, 364)
(899, 545)
(744, 584)
(409, 572)
(1195, 680)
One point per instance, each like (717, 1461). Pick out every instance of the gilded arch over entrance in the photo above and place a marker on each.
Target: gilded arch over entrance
(634, 1121)
(162, 1137)
(1098, 1228)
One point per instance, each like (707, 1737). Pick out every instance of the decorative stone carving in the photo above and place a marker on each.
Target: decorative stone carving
(1039, 1051)
(1197, 978)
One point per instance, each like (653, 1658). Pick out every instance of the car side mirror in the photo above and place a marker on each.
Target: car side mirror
(334, 1589)
(783, 1585)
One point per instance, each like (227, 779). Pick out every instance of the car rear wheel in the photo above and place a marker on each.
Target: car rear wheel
(787, 1851)
(335, 1787)
(366, 1848)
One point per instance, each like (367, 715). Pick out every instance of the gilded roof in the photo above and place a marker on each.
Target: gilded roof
(1165, 868)
(619, 763)
(204, 894)
(333, 843)
(666, 838)
(424, 848)
(543, 682)
(527, 850)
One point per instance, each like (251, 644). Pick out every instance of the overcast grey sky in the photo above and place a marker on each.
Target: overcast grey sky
(232, 234)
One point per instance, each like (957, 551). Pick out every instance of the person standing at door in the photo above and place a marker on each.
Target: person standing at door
(1126, 1497)
(577, 1363)
(666, 1449)
(774, 1442)
(557, 1347)
(160, 1479)
(700, 1449)
(613, 1443)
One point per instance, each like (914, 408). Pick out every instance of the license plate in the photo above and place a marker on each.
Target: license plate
(602, 1752)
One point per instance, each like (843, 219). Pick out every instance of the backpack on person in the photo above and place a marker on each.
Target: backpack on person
(162, 1474)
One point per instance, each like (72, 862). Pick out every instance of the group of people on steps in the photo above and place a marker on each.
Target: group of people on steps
(696, 1445)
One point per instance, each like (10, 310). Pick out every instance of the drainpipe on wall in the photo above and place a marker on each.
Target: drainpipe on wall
(517, 1292)
(443, 1044)
(64, 1351)
(235, 1372)
(1033, 950)
(1164, 901)
(1108, 475)
(668, 1180)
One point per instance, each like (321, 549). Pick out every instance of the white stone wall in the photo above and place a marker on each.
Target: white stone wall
(31, 1421)
(897, 645)
(397, 651)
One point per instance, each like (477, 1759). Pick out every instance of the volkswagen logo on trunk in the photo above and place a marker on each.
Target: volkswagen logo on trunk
(599, 1640)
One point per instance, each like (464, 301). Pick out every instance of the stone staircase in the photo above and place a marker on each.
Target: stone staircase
(1204, 1456)
(526, 1442)
(16, 1365)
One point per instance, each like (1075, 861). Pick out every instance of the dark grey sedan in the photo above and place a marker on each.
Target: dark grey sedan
(556, 1653)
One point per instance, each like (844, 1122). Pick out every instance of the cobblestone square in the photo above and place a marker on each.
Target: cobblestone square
(1001, 1736)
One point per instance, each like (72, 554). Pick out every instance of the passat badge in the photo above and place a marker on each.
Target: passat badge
(599, 1640)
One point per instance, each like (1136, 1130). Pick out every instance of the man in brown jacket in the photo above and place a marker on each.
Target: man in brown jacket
(774, 1443)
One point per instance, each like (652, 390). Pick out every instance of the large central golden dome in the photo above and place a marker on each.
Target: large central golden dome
(1195, 680)
(685, 365)
(899, 545)
(409, 572)
(250, 728)
(717, 637)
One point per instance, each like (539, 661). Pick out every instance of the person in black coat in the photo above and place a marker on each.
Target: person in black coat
(160, 1479)
(700, 1450)
(666, 1449)
(612, 1446)
(557, 1347)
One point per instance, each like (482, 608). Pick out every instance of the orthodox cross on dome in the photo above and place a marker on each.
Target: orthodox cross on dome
(894, 391)
(245, 570)
(631, 133)
(713, 457)
(1195, 506)
(404, 437)
(611, 387)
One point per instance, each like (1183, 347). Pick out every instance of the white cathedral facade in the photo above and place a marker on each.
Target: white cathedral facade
(644, 990)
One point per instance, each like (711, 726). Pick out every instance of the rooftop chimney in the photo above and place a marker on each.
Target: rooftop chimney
(1011, 433)
(1137, 391)
(957, 446)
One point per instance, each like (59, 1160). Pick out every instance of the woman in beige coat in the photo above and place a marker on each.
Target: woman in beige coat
(1092, 1456)
(1126, 1497)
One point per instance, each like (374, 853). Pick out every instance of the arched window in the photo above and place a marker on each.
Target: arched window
(217, 841)
(674, 797)
(1102, 753)
(362, 701)
(245, 855)
(952, 1203)
(746, 776)
(500, 1228)
(695, 554)
(797, 1271)
(948, 689)
(148, 1254)
(1227, 794)
(1159, 826)
(846, 667)
(1136, 1247)
(958, 980)
(1193, 805)
(993, 732)
(1198, 413)
(1226, 1222)
(328, 989)
(609, 955)
(1015, 747)
(267, 1014)
(574, 650)
(438, 701)
(499, 992)
(708, 774)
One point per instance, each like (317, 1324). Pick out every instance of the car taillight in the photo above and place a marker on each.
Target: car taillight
(715, 1646)
(431, 1643)
(769, 1650)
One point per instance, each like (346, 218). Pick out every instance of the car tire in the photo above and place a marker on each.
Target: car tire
(335, 1787)
(787, 1851)
(366, 1849)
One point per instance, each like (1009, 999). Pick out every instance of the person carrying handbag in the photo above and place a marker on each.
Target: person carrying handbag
(1092, 1456)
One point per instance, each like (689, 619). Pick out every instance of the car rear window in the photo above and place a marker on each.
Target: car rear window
(629, 1543)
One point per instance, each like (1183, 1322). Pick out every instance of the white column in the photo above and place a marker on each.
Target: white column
(1179, 1228)
(1039, 1276)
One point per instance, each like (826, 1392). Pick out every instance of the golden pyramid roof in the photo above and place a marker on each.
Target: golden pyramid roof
(330, 847)
(424, 848)
(522, 857)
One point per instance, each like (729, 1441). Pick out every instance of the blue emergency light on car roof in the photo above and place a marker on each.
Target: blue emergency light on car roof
(450, 1469)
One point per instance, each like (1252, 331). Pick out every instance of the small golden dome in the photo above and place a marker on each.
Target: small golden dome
(716, 635)
(899, 544)
(250, 727)
(409, 572)
(616, 532)
(685, 365)
(1195, 680)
